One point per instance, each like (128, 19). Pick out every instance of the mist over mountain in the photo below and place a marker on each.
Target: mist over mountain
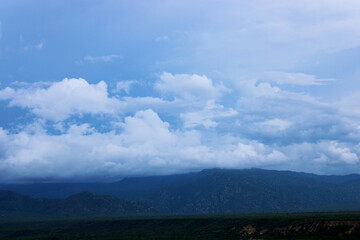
(211, 191)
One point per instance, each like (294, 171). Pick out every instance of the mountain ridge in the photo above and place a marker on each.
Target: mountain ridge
(77, 205)
(212, 191)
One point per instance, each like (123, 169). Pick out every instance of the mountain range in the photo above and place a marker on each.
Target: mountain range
(81, 204)
(210, 191)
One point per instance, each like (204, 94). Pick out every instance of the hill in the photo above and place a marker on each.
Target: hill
(81, 204)
(222, 191)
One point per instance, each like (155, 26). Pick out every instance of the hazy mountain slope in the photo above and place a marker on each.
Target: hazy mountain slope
(82, 204)
(229, 191)
(217, 190)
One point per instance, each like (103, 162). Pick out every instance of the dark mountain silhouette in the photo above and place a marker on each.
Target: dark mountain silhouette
(81, 204)
(222, 191)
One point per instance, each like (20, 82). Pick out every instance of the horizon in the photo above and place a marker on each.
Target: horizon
(121, 178)
(103, 89)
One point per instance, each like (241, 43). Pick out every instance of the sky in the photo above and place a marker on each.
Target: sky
(97, 90)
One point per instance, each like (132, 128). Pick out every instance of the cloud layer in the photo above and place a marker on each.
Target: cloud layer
(189, 85)
(268, 127)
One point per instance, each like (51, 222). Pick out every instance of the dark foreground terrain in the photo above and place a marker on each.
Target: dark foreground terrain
(280, 226)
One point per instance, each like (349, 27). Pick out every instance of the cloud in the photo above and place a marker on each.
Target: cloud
(133, 104)
(350, 105)
(63, 99)
(97, 59)
(206, 116)
(144, 144)
(38, 46)
(189, 86)
(300, 79)
(324, 156)
(274, 125)
(272, 115)
(266, 127)
(124, 86)
(31, 84)
(262, 93)
(7, 93)
(162, 38)
(255, 153)
(59, 101)
(265, 36)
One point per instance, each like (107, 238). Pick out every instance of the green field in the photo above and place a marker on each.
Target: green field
(279, 226)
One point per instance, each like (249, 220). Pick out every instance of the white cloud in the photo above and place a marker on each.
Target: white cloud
(133, 104)
(324, 156)
(277, 129)
(31, 84)
(206, 117)
(97, 59)
(341, 154)
(266, 90)
(63, 99)
(162, 38)
(38, 46)
(189, 86)
(300, 79)
(257, 153)
(350, 105)
(124, 86)
(7, 93)
(147, 145)
(274, 125)
(58, 101)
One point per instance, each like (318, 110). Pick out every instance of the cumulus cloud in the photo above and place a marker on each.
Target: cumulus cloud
(59, 101)
(189, 86)
(324, 156)
(267, 127)
(63, 99)
(124, 86)
(260, 117)
(275, 116)
(7, 93)
(145, 145)
(206, 117)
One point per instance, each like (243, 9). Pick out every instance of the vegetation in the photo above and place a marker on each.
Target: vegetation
(82, 204)
(221, 191)
(134, 208)
(280, 226)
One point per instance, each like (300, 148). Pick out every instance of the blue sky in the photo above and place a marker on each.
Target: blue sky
(102, 89)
